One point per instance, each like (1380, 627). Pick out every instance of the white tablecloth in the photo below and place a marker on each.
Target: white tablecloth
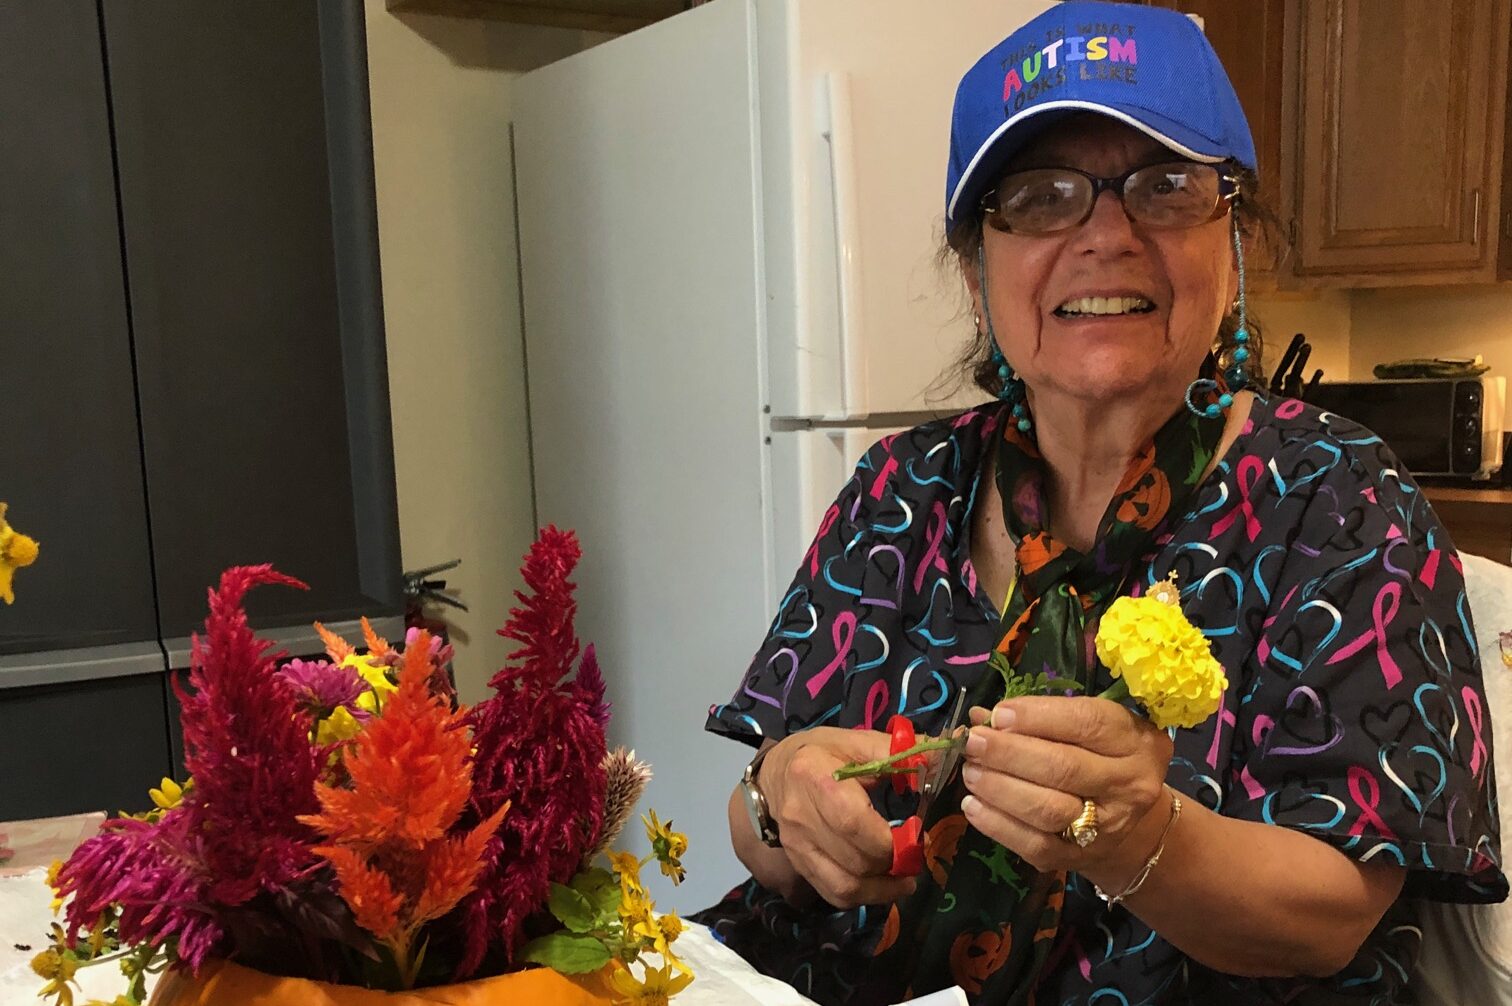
(722, 978)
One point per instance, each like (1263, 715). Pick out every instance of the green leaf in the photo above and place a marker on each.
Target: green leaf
(571, 909)
(602, 891)
(567, 953)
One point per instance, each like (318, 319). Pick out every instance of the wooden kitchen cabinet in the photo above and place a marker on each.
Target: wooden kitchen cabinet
(1382, 128)
(1249, 39)
(1399, 115)
(590, 15)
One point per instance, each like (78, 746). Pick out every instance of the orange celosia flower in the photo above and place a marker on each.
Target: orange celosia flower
(376, 644)
(410, 773)
(336, 648)
(373, 900)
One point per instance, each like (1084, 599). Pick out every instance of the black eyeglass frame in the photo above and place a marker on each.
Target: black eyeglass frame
(1228, 195)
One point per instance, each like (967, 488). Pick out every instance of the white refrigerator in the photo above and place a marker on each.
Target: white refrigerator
(728, 227)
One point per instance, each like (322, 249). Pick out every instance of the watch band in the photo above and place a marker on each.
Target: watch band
(760, 814)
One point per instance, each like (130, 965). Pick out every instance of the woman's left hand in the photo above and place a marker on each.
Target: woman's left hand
(1031, 769)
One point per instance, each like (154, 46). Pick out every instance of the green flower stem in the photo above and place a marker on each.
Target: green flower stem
(885, 766)
(1117, 691)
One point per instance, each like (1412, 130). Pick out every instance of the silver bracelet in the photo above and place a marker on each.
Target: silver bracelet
(1144, 874)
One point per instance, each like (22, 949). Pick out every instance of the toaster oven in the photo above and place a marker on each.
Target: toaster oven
(1439, 428)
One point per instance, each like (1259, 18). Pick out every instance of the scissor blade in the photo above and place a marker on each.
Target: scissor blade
(942, 764)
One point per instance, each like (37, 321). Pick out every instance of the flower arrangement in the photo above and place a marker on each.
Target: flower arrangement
(344, 822)
(1156, 656)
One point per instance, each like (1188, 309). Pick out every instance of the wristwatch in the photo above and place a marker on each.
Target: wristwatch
(762, 821)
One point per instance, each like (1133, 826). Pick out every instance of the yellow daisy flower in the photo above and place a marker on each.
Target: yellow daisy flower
(634, 907)
(339, 726)
(660, 932)
(655, 989)
(169, 796)
(667, 846)
(375, 674)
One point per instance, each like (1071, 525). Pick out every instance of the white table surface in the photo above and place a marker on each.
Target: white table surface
(721, 977)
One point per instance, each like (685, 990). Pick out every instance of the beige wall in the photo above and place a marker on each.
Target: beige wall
(1355, 330)
(1393, 324)
(1323, 317)
(440, 97)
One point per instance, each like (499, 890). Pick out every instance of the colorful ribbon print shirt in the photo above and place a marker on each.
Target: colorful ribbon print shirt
(1334, 600)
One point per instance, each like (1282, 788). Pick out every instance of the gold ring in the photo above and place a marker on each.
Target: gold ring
(1083, 831)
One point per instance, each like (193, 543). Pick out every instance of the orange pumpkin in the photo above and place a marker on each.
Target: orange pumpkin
(1036, 549)
(974, 957)
(940, 845)
(221, 983)
(889, 932)
(1149, 501)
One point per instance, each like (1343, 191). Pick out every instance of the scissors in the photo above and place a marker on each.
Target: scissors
(937, 769)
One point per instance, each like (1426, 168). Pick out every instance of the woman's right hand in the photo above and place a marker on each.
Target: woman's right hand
(832, 834)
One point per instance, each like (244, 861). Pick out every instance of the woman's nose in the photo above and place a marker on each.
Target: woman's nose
(1109, 228)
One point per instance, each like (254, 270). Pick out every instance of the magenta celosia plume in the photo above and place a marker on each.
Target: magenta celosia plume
(247, 746)
(540, 748)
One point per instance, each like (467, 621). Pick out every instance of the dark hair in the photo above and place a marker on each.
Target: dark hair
(1257, 224)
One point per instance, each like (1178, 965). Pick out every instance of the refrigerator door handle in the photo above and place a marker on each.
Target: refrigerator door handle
(839, 134)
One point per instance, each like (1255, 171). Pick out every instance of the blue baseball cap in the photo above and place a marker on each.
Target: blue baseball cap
(1149, 67)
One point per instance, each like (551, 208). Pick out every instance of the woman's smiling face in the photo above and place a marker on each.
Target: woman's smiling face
(1175, 284)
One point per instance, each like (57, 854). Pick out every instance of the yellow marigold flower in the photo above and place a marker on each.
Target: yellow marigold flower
(339, 726)
(659, 985)
(16, 551)
(667, 846)
(1162, 659)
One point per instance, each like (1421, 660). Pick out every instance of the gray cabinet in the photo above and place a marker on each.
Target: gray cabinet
(70, 458)
(193, 359)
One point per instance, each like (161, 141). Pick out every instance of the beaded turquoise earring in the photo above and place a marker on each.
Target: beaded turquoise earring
(1013, 390)
(1236, 373)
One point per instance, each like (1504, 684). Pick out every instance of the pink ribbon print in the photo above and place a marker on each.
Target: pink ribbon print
(876, 706)
(1383, 609)
(1477, 717)
(1250, 470)
(1366, 793)
(938, 525)
(844, 634)
(830, 516)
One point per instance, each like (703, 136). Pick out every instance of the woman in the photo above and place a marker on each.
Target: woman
(1099, 181)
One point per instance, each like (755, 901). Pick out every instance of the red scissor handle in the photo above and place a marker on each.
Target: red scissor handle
(903, 738)
(908, 848)
(907, 838)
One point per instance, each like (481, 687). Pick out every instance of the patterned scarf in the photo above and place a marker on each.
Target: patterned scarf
(981, 917)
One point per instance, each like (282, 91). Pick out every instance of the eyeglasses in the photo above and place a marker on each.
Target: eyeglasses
(1173, 194)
